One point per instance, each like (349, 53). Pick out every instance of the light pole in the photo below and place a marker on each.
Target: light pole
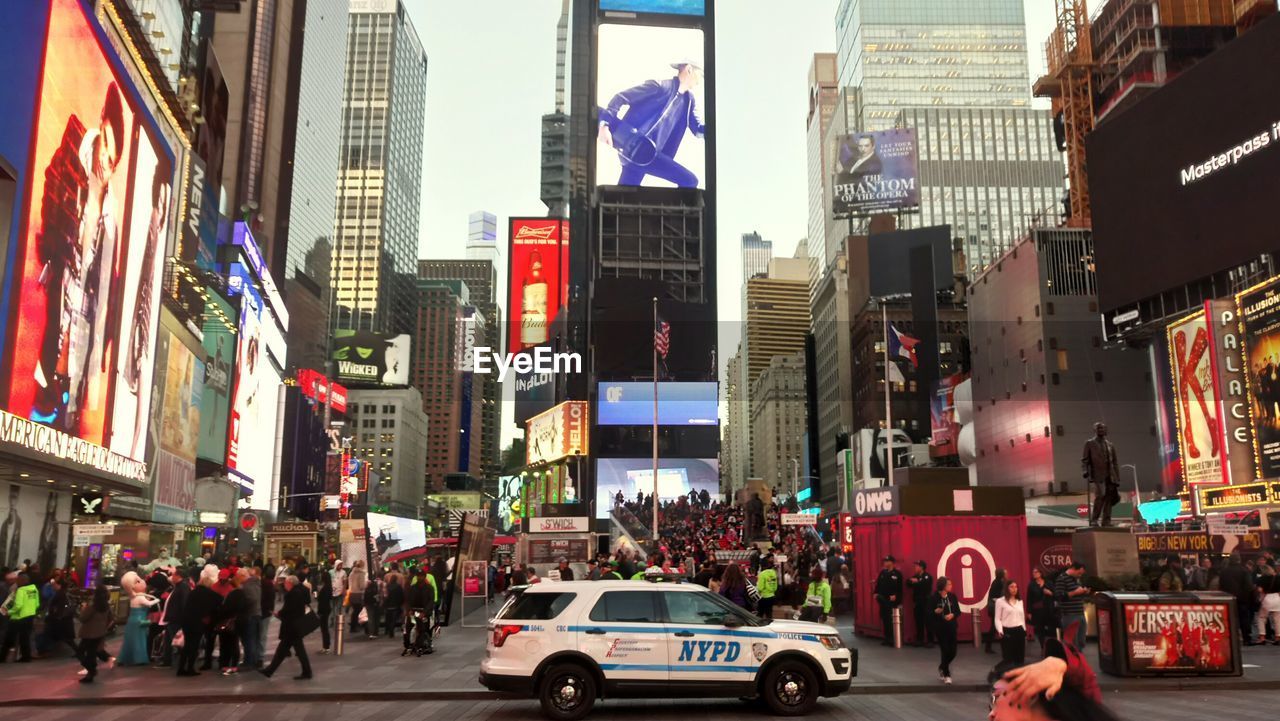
(795, 477)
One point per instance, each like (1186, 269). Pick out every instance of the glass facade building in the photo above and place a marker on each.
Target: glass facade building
(932, 53)
(378, 203)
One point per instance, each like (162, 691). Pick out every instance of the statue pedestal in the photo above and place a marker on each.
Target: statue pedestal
(1109, 553)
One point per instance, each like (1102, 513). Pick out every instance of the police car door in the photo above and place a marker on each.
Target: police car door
(702, 647)
(625, 635)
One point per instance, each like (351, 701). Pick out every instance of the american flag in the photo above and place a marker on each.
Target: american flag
(662, 338)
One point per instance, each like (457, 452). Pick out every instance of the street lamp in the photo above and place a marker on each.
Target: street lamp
(795, 476)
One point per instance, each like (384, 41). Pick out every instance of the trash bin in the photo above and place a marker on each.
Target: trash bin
(1168, 634)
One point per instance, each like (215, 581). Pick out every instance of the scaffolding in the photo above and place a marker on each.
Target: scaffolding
(1069, 83)
(661, 239)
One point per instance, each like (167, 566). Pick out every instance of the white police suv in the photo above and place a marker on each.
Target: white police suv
(570, 643)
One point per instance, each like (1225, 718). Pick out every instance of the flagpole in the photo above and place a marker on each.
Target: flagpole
(655, 426)
(888, 405)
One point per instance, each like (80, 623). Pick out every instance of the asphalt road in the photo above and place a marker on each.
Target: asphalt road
(1139, 706)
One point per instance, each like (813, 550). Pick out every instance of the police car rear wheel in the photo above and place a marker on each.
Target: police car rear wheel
(568, 692)
(790, 689)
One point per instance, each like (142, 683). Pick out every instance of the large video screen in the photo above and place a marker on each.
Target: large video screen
(877, 173)
(632, 476)
(254, 402)
(649, 86)
(537, 279)
(219, 328)
(174, 495)
(366, 358)
(393, 534)
(664, 7)
(87, 270)
(1183, 182)
(679, 404)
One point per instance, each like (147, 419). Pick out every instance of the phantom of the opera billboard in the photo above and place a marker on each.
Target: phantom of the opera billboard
(876, 172)
(86, 246)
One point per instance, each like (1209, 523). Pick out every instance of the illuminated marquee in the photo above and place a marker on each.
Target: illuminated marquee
(47, 441)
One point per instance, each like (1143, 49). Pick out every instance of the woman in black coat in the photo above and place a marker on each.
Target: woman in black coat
(946, 619)
(1040, 607)
(995, 593)
(324, 606)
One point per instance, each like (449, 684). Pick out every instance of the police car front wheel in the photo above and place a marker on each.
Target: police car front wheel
(790, 689)
(567, 693)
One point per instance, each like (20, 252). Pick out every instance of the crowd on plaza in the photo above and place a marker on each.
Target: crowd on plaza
(182, 612)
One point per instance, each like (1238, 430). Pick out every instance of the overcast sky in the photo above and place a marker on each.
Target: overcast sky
(491, 76)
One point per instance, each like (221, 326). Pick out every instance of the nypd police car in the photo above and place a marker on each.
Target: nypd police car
(568, 644)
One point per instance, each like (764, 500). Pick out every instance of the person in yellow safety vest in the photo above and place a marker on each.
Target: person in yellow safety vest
(21, 608)
(658, 565)
(820, 590)
(612, 574)
(767, 583)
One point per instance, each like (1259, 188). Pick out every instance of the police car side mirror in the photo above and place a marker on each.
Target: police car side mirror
(732, 620)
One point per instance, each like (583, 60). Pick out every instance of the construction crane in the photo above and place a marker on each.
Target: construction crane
(1069, 83)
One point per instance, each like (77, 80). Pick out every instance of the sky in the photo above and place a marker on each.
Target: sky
(491, 77)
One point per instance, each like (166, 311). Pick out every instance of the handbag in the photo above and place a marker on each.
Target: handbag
(179, 640)
(308, 624)
(363, 616)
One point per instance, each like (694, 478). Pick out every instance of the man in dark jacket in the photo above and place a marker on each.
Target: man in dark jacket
(171, 617)
(888, 591)
(658, 115)
(921, 584)
(197, 618)
(1236, 580)
(297, 603)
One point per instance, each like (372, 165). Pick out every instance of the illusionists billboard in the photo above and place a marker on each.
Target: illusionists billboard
(652, 124)
(1260, 322)
(877, 172)
(85, 268)
(1195, 399)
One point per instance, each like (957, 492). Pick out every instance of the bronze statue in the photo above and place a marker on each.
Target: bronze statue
(1102, 471)
(753, 521)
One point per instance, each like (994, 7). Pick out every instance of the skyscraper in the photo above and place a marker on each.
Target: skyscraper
(778, 420)
(481, 279)
(437, 373)
(932, 53)
(378, 192)
(777, 315)
(756, 254)
(824, 96)
(555, 130)
(482, 237)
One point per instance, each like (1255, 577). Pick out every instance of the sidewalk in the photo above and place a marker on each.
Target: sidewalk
(375, 669)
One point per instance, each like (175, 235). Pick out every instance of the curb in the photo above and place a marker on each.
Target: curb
(888, 689)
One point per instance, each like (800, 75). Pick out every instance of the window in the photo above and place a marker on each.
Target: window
(1062, 360)
(370, 408)
(537, 606)
(694, 608)
(627, 607)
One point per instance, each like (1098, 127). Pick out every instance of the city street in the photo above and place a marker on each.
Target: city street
(971, 706)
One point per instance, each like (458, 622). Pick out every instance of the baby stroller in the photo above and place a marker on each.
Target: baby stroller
(418, 633)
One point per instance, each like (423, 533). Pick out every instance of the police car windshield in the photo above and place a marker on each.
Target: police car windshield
(748, 618)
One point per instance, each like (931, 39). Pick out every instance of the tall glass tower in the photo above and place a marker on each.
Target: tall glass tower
(932, 53)
(376, 229)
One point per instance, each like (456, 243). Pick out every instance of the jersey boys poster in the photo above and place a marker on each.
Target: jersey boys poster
(1178, 637)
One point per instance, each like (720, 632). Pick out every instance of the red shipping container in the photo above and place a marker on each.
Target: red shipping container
(966, 549)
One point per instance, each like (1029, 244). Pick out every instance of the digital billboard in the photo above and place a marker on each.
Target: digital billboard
(219, 326)
(1260, 322)
(650, 92)
(679, 404)
(632, 476)
(663, 7)
(510, 505)
(1195, 400)
(622, 318)
(560, 432)
(1205, 152)
(392, 534)
(877, 172)
(942, 416)
(255, 401)
(365, 358)
(537, 279)
(174, 497)
(86, 274)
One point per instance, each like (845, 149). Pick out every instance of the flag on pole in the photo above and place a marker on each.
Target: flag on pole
(903, 346)
(662, 338)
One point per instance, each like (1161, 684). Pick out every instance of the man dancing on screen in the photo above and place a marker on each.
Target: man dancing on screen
(648, 135)
(76, 229)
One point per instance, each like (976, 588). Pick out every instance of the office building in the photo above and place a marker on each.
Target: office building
(735, 449)
(932, 53)
(437, 372)
(555, 130)
(833, 370)
(482, 237)
(989, 173)
(756, 254)
(824, 96)
(777, 314)
(380, 166)
(1042, 375)
(390, 431)
(481, 280)
(778, 420)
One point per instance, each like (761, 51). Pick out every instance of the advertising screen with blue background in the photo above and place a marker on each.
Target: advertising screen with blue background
(665, 7)
(679, 404)
(676, 477)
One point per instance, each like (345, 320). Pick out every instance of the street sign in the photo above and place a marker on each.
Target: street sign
(93, 529)
(799, 519)
(1220, 527)
(554, 524)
